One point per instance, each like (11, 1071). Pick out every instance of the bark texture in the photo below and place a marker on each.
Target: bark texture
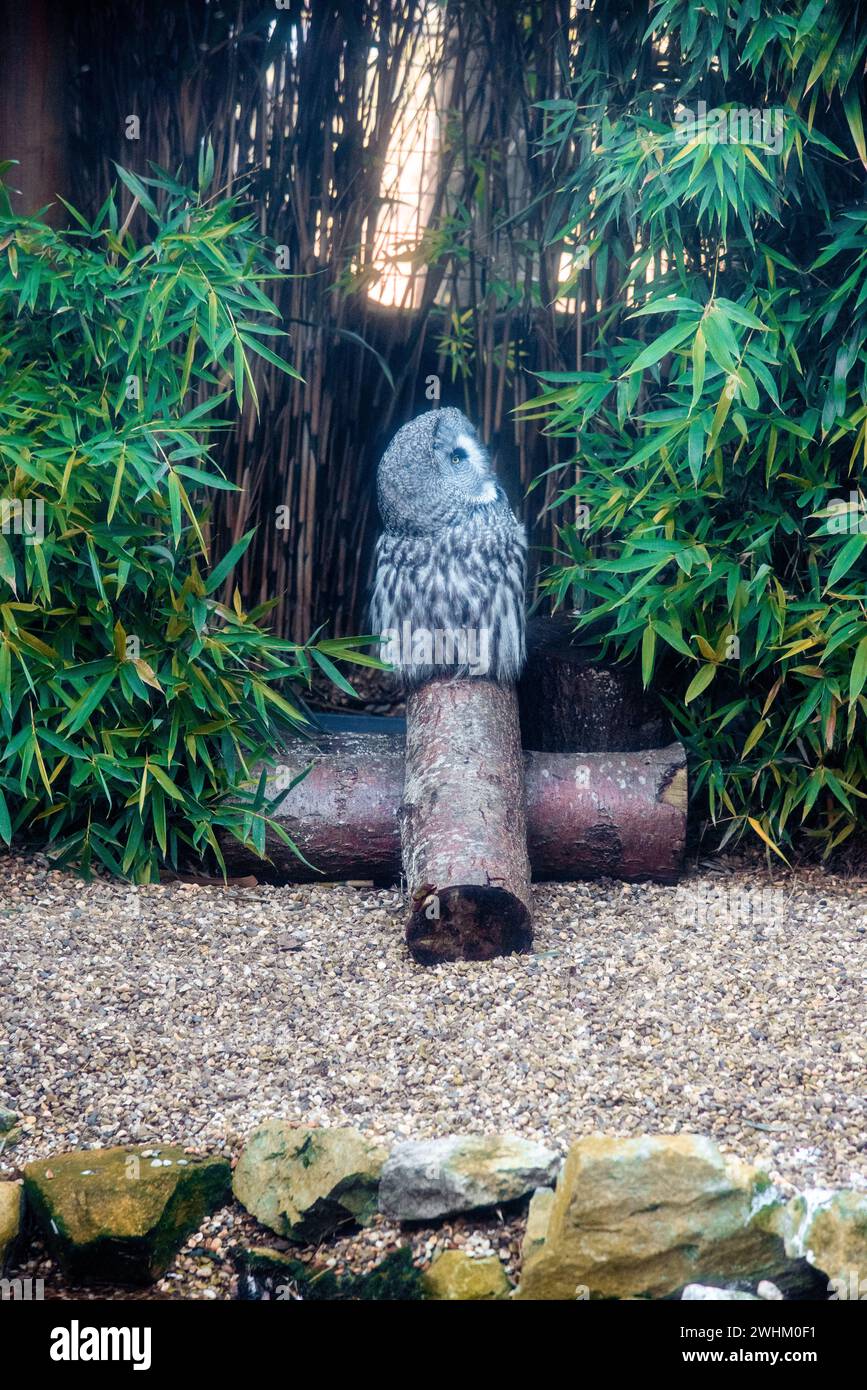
(463, 823)
(622, 815)
(617, 815)
(570, 704)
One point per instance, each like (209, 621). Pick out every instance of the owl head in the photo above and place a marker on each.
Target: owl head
(434, 469)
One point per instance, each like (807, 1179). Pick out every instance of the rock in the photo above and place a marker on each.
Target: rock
(263, 1273)
(122, 1214)
(10, 1219)
(9, 1131)
(537, 1222)
(426, 1179)
(264, 1259)
(274, 1275)
(305, 1183)
(706, 1293)
(768, 1291)
(829, 1230)
(643, 1217)
(454, 1275)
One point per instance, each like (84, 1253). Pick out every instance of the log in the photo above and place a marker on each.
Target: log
(571, 703)
(612, 815)
(617, 815)
(463, 826)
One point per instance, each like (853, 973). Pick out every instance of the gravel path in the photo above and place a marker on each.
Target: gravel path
(186, 1013)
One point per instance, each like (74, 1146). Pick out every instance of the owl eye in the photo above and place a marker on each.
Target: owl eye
(458, 456)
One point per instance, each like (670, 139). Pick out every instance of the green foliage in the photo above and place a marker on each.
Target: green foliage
(716, 529)
(132, 697)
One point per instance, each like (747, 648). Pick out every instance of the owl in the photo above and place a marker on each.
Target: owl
(448, 598)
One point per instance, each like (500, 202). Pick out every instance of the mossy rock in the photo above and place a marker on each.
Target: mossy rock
(538, 1216)
(455, 1276)
(9, 1130)
(829, 1230)
(304, 1183)
(643, 1217)
(122, 1214)
(264, 1273)
(10, 1219)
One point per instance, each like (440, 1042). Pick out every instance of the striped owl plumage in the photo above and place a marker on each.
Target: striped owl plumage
(452, 557)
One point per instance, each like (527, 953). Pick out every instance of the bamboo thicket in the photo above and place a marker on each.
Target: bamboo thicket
(312, 107)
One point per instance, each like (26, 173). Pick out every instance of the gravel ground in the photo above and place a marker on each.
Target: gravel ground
(733, 1006)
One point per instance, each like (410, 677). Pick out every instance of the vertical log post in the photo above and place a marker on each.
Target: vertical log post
(463, 823)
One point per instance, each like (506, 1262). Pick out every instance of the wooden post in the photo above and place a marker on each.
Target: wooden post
(463, 825)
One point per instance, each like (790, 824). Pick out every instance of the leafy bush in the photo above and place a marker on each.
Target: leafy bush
(719, 532)
(132, 698)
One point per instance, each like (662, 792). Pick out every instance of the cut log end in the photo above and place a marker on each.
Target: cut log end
(676, 792)
(468, 922)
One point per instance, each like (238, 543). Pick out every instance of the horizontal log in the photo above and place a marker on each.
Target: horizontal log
(618, 815)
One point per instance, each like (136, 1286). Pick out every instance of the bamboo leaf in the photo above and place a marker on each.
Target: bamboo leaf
(700, 682)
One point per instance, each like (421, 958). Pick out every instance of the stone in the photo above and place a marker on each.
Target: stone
(538, 1216)
(705, 1293)
(269, 1274)
(10, 1219)
(305, 1183)
(121, 1214)
(643, 1217)
(263, 1273)
(829, 1231)
(264, 1258)
(769, 1291)
(9, 1131)
(455, 1275)
(426, 1179)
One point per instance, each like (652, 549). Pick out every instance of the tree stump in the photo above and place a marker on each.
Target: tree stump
(569, 703)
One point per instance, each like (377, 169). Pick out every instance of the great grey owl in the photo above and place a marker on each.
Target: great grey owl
(448, 599)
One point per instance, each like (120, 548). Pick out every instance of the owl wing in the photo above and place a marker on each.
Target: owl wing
(388, 584)
(497, 571)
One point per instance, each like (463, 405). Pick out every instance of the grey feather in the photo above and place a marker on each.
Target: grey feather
(451, 559)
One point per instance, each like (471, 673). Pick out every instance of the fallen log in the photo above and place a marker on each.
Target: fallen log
(569, 702)
(618, 815)
(462, 823)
